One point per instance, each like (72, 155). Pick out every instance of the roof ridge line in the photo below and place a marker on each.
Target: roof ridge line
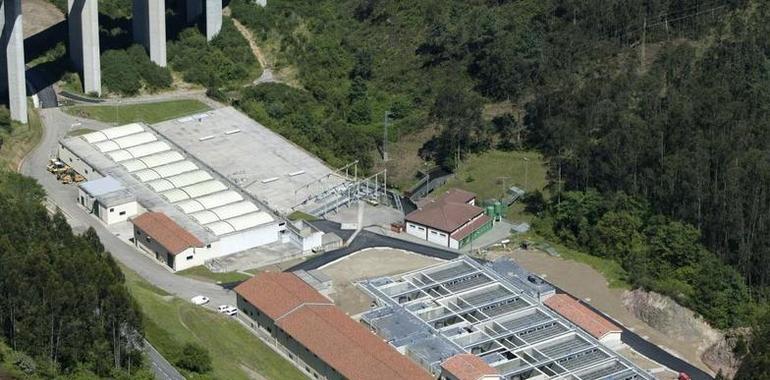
(286, 314)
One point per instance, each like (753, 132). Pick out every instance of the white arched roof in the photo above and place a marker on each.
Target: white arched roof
(176, 168)
(194, 191)
(161, 159)
(148, 149)
(126, 142)
(235, 209)
(205, 217)
(210, 201)
(159, 185)
(240, 223)
(120, 156)
(189, 178)
(113, 133)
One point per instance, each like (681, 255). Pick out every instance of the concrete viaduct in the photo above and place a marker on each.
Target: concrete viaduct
(149, 30)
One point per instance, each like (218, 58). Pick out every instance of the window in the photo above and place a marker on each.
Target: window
(208, 246)
(189, 258)
(433, 232)
(421, 229)
(122, 213)
(112, 209)
(86, 170)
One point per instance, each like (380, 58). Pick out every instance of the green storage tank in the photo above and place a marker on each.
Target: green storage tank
(490, 211)
(498, 210)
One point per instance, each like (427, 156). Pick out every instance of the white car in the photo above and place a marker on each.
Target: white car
(223, 308)
(200, 300)
(231, 311)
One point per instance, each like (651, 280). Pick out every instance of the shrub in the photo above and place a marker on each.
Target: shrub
(195, 358)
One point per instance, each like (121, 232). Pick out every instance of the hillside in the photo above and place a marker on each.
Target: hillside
(651, 115)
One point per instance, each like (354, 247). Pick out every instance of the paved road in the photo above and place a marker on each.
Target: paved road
(160, 366)
(56, 124)
(366, 239)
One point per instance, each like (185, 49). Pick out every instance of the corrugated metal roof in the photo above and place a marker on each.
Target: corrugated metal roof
(174, 169)
(205, 217)
(101, 186)
(220, 228)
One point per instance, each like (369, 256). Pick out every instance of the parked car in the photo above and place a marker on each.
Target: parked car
(200, 300)
(232, 311)
(223, 308)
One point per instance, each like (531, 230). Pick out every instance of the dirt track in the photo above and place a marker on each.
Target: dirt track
(39, 15)
(586, 283)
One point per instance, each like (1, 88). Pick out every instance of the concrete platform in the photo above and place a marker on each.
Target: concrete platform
(260, 161)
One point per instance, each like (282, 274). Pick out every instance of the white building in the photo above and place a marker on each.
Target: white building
(108, 200)
(161, 179)
(451, 220)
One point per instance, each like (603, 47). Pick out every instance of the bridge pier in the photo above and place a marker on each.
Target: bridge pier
(149, 26)
(12, 41)
(83, 23)
(213, 18)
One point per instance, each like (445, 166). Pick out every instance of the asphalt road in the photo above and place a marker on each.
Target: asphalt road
(160, 366)
(56, 124)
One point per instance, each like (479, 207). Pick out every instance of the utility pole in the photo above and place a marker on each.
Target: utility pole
(526, 173)
(385, 157)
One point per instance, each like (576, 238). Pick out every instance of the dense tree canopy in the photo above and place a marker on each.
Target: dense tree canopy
(63, 301)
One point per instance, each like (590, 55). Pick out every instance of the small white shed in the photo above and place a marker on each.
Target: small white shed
(108, 200)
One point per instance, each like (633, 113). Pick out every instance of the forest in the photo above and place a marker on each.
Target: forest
(64, 308)
(652, 115)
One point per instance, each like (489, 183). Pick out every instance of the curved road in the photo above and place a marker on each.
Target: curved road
(56, 125)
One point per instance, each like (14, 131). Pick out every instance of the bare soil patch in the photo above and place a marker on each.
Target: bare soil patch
(39, 15)
(368, 264)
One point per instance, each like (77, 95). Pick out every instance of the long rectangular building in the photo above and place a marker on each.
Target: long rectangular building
(164, 180)
(316, 335)
(491, 311)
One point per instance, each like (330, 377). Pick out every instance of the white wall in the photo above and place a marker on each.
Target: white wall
(438, 237)
(77, 164)
(129, 209)
(240, 241)
(454, 244)
(118, 213)
(417, 230)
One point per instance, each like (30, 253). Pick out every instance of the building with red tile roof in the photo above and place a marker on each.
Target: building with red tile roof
(591, 322)
(468, 367)
(313, 332)
(451, 220)
(159, 235)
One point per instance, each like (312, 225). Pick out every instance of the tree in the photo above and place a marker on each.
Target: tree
(195, 358)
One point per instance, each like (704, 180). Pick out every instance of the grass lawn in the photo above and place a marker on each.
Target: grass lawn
(236, 353)
(150, 113)
(19, 140)
(204, 274)
(299, 215)
(489, 174)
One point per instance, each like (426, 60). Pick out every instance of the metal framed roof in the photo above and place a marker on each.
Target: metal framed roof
(464, 306)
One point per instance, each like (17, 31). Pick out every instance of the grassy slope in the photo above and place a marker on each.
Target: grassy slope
(20, 141)
(171, 322)
(129, 113)
(202, 273)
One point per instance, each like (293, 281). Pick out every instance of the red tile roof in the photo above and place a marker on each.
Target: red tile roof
(466, 230)
(456, 195)
(570, 308)
(468, 367)
(446, 213)
(166, 232)
(276, 294)
(347, 346)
